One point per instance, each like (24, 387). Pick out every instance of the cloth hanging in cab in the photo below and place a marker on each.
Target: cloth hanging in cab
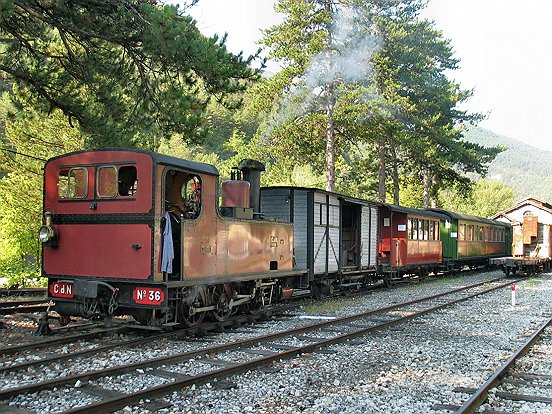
(168, 247)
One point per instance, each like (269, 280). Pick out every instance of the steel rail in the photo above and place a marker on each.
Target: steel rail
(60, 341)
(21, 291)
(214, 326)
(480, 395)
(10, 310)
(14, 303)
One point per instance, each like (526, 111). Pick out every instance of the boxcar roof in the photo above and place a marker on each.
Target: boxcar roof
(158, 159)
(408, 210)
(468, 217)
(346, 198)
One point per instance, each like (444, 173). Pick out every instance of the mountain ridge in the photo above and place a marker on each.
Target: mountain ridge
(526, 169)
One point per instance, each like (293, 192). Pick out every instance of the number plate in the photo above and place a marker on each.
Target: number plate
(61, 290)
(148, 296)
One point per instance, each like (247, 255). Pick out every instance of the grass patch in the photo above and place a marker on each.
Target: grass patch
(532, 283)
(328, 306)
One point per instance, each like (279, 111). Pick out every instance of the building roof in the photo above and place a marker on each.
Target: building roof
(542, 205)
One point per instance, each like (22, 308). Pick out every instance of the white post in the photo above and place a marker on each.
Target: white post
(513, 294)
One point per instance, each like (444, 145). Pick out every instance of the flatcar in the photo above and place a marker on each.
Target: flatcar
(132, 232)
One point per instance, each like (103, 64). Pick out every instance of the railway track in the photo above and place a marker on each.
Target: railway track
(24, 306)
(503, 377)
(220, 361)
(33, 349)
(22, 291)
(13, 303)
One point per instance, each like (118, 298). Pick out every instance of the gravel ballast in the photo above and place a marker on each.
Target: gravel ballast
(405, 369)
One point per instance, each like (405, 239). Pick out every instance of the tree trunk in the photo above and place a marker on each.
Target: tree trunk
(434, 201)
(381, 153)
(330, 139)
(395, 166)
(330, 125)
(425, 172)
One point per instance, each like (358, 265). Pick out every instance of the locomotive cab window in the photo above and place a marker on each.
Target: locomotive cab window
(191, 194)
(73, 183)
(128, 181)
(183, 195)
(114, 182)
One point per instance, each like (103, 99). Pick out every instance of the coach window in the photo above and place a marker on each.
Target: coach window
(414, 229)
(470, 232)
(462, 232)
(410, 228)
(431, 230)
(73, 183)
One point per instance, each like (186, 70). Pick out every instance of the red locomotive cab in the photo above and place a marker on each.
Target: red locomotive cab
(98, 220)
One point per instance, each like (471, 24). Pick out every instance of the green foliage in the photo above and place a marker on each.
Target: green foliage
(409, 105)
(487, 198)
(411, 73)
(412, 193)
(34, 138)
(125, 71)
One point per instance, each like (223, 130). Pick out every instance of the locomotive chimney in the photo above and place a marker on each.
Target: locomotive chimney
(251, 171)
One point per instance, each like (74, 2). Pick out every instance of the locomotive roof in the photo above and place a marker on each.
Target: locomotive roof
(468, 217)
(186, 164)
(157, 158)
(408, 210)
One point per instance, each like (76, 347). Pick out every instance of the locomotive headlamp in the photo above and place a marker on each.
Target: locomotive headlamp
(47, 232)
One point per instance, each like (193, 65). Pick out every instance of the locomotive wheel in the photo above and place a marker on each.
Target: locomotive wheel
(221, 299)
(195, 298)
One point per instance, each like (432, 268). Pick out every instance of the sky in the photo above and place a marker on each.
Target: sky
(504, 47)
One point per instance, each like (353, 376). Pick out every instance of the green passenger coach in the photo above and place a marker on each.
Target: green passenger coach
(471, 241)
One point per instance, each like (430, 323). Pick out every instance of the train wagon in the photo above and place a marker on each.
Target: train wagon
(139, 233)
(335, 236)
(471, 241)
(410, 242)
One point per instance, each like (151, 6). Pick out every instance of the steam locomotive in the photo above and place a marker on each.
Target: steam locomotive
(132, 232)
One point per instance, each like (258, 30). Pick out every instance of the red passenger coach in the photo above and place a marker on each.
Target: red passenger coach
(410, 241)
(139, 233)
